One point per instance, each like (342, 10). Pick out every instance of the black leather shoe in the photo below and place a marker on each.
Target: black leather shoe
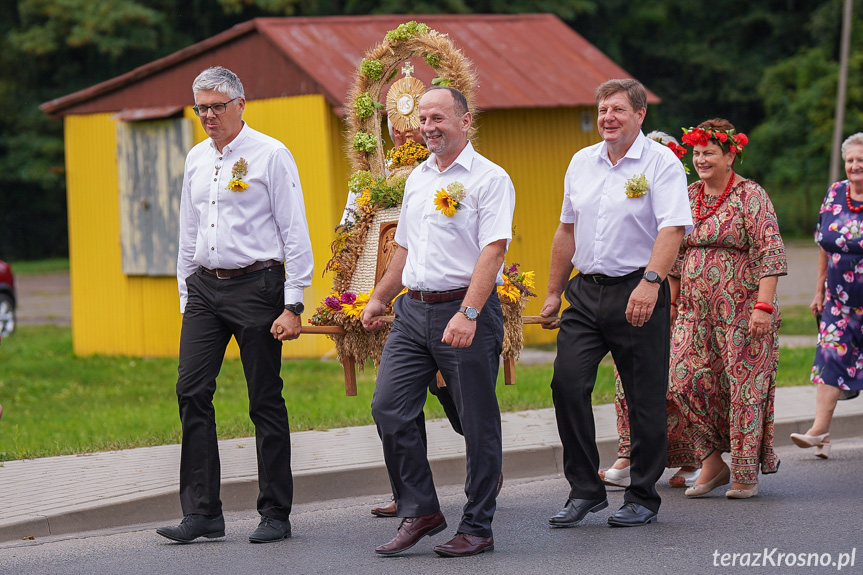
(270, 530)
(632, 515)
(194, 526)
(576, 510)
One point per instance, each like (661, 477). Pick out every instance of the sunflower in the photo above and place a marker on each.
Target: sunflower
(445, 204)
(237, 185)
(356, 308)
(508, 291)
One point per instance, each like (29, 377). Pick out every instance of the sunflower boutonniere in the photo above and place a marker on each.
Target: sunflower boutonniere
(240, 169)
(636, 186)
(448, 201)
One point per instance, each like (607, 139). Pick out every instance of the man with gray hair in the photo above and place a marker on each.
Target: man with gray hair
(625, 210)
(245, 257)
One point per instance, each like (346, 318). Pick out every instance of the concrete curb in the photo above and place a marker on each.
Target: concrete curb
(239, 493)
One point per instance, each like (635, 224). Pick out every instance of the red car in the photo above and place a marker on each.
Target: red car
(7, 300)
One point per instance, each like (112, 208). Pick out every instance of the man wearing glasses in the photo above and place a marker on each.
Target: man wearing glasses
(245, 257)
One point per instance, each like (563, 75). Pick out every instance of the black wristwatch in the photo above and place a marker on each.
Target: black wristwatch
(652, 277)
(296, 308)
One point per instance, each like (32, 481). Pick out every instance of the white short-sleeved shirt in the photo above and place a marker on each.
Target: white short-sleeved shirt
(443, 251)
(614, 234)
(223, 229)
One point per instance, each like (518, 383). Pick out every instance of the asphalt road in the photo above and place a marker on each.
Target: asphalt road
(811, 506)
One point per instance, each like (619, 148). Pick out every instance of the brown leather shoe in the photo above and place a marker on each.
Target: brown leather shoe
(464, 545)
(411, 530)
(385, 510)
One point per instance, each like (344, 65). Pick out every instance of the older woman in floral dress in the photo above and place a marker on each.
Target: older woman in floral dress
(725, 341)
(838, 366)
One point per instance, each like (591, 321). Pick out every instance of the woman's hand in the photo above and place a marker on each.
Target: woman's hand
(759, 324)
(817, 305)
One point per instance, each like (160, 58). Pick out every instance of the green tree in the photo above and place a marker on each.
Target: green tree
(793, 143)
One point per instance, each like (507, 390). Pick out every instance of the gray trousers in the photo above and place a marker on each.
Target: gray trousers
(413, 353)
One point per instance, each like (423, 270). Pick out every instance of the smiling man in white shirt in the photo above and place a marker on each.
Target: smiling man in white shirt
(450, 258)
(244, 260)
(625, 210)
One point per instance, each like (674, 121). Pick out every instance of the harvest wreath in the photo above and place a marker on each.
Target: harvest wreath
(363, 243)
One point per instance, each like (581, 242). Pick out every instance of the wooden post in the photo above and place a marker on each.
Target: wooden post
(509, 371)
(350, 377)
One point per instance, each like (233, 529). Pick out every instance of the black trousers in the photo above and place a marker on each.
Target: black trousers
(245, 308)
(412, 355)
(593, 325)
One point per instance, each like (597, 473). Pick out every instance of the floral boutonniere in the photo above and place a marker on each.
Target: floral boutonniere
(636, 186)
(240, 169)
(448, 201)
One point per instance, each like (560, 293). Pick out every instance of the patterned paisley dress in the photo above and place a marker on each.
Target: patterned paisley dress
(838, 356)
(680, 451)
(722, 380)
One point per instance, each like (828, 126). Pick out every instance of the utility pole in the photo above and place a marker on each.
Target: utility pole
(840, 91)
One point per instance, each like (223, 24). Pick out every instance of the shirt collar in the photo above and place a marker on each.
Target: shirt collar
(634, 152)
(244, 132)
(464, 159)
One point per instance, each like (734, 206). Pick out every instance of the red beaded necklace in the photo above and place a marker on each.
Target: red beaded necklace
(848, 200)
(699, 201)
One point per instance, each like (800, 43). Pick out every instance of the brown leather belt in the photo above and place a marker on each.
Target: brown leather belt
(438, 296)
(255, 267)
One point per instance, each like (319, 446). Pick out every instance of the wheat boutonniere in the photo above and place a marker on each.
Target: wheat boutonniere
(636, 186)
(240, 169)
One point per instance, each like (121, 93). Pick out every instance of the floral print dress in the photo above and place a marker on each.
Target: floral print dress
(722, 380)
(838, 356)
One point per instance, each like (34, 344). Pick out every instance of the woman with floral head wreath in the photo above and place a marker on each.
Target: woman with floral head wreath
(838, 302)
(724, 344)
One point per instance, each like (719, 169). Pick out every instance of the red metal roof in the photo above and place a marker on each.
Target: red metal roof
(523, 61)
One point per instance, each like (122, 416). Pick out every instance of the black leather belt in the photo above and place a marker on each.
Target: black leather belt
(438, 296)
(255, 267)
(611, 280)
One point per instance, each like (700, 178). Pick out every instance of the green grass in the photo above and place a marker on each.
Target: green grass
(56, 403)
(36, 267)
(797, 320)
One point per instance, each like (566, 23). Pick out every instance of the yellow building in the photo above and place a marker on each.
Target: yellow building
(126, 141)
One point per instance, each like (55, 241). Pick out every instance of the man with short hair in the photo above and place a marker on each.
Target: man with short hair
(625, 211)
(454, 229)
(245, 258)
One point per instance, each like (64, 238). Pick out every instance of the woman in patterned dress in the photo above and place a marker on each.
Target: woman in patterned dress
(725, 341)
(838, 298)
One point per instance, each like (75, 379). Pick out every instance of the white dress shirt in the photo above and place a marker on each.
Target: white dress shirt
(222, 229)
(443, 251)
(614, 234)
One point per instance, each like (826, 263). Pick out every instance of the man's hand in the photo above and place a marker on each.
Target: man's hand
(641, 303)
(374, 308)
(286, 326)
(459, 331)
(551, 307)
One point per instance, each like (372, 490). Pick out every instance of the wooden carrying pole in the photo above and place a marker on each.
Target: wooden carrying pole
(350, 367)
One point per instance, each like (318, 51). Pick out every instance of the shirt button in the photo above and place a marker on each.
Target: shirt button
(214, 201)
(212, 225)
(220, 157)
(212, 249)
(214, 179)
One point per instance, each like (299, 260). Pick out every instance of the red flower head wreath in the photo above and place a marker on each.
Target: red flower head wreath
(728, 140)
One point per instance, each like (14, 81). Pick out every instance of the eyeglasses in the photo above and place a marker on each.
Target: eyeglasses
(218, 109)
